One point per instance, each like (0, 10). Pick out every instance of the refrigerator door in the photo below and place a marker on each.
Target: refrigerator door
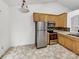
(40, 26)
(41, 39)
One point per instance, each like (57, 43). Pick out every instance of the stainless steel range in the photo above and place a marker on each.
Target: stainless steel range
(40, 34)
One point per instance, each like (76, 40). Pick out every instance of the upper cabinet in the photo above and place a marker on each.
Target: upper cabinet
(43, 17)
(60, 20)
(40, 17)
(36, 17)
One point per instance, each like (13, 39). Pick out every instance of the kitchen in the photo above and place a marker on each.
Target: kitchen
(22, 30)
(58, 31)
(51, 22)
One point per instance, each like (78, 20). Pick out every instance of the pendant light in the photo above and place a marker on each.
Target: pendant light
(24, 7)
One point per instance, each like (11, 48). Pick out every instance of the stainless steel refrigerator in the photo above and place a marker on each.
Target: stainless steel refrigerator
(40, 34)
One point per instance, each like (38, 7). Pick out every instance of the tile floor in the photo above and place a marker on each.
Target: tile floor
(30, 52)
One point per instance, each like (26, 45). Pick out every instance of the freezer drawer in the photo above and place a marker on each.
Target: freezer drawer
(41, 39)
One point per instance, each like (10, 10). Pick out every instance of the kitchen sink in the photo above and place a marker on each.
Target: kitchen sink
(74, 34)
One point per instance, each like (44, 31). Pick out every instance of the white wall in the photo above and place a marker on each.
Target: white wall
(22, 25)
(53, 8)
(75, 24)
(70, 17)
(72, 4)
(4, 28)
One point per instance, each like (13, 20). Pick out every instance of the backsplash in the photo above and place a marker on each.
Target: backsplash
(62, 28)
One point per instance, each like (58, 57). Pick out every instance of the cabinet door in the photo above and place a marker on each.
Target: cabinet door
(68, 43)
(36, 17)
(77, 46)
(43, 17)
(62, 20)
(60, 39)
(65, 41)
(74, 45)
(52, 18)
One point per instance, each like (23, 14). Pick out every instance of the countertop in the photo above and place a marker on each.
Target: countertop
(65, 33)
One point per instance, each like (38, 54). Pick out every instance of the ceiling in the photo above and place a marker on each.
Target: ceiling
(16, 2)
(71, 4)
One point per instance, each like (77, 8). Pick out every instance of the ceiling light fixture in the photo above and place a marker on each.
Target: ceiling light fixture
(24, 7)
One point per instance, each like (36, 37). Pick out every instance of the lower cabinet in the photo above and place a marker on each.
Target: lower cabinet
(60, 39)
(76, 47)
(65, 41)
(68, 42)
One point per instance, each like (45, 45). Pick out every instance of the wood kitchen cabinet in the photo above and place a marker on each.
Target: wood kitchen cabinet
(72, 44)
(65, 41)
(60, 39)
(76, 46)
(40, 17)
(62, 20)
(43, 17)
(59, 20)
(69, 42)
(52, 18)
(36, 17)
